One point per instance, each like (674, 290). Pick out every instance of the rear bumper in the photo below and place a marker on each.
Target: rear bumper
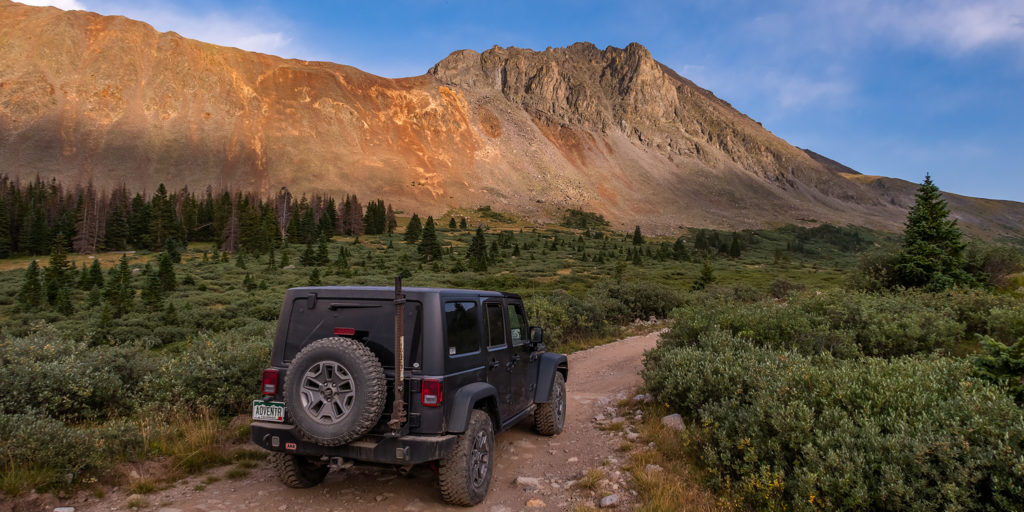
(281, 437)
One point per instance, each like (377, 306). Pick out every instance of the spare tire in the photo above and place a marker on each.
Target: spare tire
(334, 391)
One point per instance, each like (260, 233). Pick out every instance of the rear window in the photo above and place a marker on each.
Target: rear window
(462, 327)
(372, 320)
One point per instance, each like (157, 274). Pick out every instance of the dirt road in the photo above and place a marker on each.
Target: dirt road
(597, 377)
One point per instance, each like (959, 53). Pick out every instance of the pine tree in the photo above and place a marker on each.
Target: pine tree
(314, 277)
(308, 257)
(170, 315)
(30, 296)
(707, 276)
(58, 274)
(118, 291)
(240, 260)
(477, 253)
(152, 291)
(462, 223)
(6, 244)
(932, 254)
(451, 223)
(430, 248)
(321, 257)
(342, 260)
(679, 252)
(165, 272)
(734, 248)
(413, 230)
(638, 238)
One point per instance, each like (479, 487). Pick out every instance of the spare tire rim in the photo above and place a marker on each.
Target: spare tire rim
(327, 392)
(479, 460)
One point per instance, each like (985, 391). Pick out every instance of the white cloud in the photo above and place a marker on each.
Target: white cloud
(67, 5)
(246, 31)
(953, 25)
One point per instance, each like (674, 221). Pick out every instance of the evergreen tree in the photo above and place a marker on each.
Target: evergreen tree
(284, 259)
(6, 244)
(462, 223)
(413, 230)
(477, 253)
(170, 315)
(240, 260)
(451, 223)
(165, 273)
(173, 249)
(271, 264)
(30, 296)
(152, 291)
(314, 277)
(342, 260)
(58, 274)
(679, 252)
(430, 248)
(638, 238)
(118, 292)
(308, 257)
(734, 248)
(707, 276)
(933, 248)
(321, 258)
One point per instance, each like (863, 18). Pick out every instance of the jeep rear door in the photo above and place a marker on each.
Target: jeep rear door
(522, 370)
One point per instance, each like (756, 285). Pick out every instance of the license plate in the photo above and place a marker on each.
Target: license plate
(267, 411)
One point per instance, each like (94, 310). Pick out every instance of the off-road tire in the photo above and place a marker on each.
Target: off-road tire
(549, 417)
(367, 380)
(297, 471)
(456, 471)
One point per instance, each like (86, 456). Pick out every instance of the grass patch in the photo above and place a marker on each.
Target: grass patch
(143, 486)
(237, 473)
(591, 480)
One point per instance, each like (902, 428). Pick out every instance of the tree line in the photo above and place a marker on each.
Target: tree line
(35, 214)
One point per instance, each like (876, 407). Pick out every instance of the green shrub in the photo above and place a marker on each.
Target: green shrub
(51, 374)
(840, 322)
(783, 430)
(216, 370)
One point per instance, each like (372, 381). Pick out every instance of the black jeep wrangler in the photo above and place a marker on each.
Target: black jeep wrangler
(472, 366)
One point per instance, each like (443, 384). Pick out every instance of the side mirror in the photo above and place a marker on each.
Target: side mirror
(536, 337)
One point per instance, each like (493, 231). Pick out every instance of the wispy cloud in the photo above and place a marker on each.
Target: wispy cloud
(249, 31)
(67, 5)
(957, 26)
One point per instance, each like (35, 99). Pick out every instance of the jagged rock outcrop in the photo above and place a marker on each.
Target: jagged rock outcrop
(108, 99)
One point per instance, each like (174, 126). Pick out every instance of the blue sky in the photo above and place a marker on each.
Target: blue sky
(894, 88)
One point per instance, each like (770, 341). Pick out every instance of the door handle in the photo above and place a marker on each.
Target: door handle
(512, 362)
(494, 364)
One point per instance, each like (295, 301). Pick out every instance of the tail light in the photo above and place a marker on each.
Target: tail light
(431, 393)
(269, 382)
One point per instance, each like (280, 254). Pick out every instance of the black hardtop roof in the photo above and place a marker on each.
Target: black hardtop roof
(408, 291)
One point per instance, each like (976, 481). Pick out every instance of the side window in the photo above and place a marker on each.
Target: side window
(517, 324)
(495, 326)
(460, 319)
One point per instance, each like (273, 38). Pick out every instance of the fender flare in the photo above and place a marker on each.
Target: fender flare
(547, 366)
(467, 397)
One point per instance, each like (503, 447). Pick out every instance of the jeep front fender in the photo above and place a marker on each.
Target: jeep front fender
(547, 365)
(465, 401)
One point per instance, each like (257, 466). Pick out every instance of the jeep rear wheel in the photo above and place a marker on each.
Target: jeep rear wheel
(297, 471)
(465, 473)
(549, 418)
(334, 391)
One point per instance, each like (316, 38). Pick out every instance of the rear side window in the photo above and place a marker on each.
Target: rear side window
(460, 319)
(495, 326)
(516, 324)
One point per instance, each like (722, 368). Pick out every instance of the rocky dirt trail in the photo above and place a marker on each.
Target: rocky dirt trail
(532, 472)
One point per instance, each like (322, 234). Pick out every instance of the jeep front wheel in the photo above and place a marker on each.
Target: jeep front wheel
(465, 473)
(334, 391)
(549, 418)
